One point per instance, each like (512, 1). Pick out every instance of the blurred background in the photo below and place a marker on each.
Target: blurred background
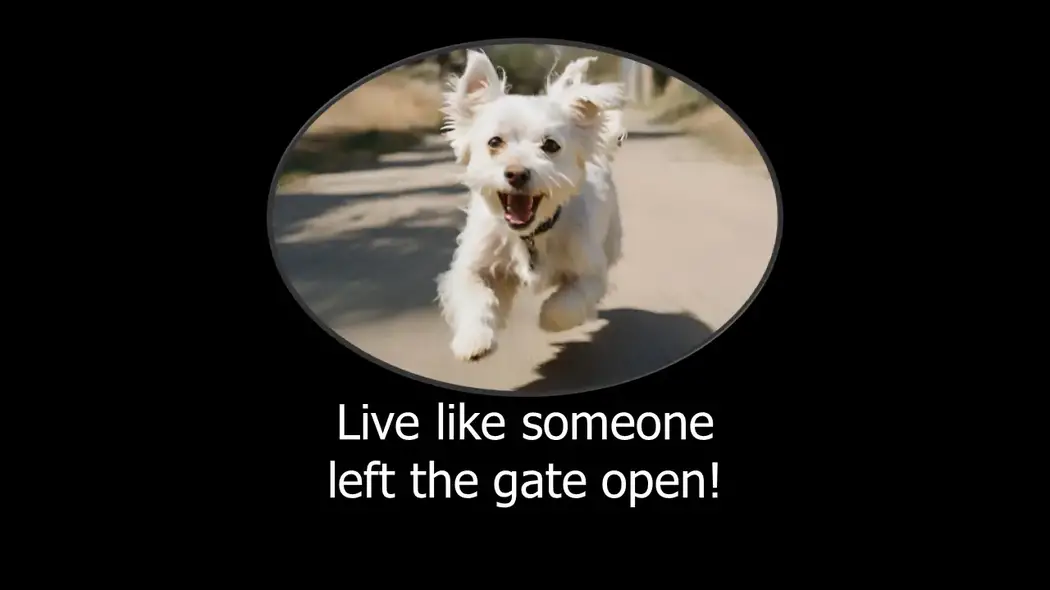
(398, 109)
(368, 207)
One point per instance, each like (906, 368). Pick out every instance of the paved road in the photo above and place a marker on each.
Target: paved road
(362, 250)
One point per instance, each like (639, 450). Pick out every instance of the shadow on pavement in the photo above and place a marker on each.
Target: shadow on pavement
(344, 151)
(290, 211)
(370, 272)
(439, 158)
(653, 134)
(633, 343)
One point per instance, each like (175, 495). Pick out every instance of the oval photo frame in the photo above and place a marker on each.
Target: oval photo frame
(399, 235)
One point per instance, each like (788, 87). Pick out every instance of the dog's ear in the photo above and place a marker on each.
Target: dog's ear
(588, 102)
(480, 83)
(571, 75)
(613, 132)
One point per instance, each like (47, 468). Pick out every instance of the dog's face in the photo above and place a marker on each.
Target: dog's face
(525, 155)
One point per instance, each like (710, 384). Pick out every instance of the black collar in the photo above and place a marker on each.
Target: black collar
(530, 240)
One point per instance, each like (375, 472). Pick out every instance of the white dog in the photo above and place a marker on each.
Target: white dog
(543, 208)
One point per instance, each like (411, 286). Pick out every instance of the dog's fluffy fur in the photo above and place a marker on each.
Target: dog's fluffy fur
(491, 261)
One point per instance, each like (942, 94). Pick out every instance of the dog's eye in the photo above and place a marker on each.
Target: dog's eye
(550, 146)
(495, 142)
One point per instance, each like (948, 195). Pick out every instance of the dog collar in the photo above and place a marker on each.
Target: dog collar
(530, 240)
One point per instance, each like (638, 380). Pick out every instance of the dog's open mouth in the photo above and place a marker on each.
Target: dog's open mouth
(519, 208)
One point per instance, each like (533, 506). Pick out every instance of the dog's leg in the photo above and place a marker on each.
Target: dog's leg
(573, 303)
(471, 308)
(581, 288)
(613, 240)
(505, 287)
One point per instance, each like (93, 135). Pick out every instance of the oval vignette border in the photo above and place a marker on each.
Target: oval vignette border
(580, 45)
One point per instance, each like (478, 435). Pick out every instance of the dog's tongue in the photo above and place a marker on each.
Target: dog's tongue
(519, 208)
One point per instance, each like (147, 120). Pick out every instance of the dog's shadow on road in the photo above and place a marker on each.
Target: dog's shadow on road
(632, 343)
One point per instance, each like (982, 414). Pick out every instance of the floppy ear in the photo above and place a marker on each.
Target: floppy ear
(589, 102)
(573, 74)
(479, 84)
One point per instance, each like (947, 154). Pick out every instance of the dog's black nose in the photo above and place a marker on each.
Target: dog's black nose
(516, 176)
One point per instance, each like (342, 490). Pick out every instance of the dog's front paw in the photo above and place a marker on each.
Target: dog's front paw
(563, 311)
(471, 344)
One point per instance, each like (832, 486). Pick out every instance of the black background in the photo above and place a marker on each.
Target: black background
(749, 378)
